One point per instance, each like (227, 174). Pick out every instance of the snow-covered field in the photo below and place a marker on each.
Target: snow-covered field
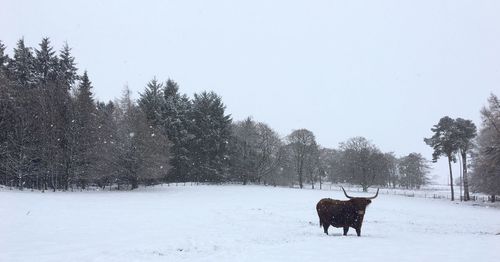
(236, 223)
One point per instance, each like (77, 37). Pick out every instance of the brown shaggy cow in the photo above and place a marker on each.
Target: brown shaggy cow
(345, 214)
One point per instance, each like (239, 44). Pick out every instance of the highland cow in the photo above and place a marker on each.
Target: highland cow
(345, 214)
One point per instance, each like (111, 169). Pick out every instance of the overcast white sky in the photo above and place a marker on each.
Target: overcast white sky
(385, 70)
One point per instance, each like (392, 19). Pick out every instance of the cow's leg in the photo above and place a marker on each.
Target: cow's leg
(358, 231)
(346, 229)
(325, 227)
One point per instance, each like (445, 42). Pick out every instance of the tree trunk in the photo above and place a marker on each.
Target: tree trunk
(451, 180)
(244, 179)
(466, 181)
(300, 174)
(20, 182)
(300, 180)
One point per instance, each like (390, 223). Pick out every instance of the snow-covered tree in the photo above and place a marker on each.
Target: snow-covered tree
(303, 148)
(84, 123)
(176, 124)
(4, 59)
(152, 101)
(211, 134)
(22, 66)
(67, 70)
(46, 62)
(486, 163)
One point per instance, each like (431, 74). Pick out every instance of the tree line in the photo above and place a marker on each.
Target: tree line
(56, 135)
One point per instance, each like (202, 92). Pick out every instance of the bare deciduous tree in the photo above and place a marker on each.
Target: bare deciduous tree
(303, 146)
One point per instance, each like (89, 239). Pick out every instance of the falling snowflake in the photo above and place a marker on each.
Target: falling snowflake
(132, 134)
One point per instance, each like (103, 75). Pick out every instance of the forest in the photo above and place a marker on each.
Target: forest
(55, 135)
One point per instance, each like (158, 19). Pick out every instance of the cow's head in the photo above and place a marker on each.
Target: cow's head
(360, 203)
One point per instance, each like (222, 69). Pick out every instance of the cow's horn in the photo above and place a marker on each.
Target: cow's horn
(346, 195)
(374, 195)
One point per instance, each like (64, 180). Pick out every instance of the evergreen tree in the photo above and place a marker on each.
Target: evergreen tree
(22, 66)
(177, 126)
(466, 132)
(7, 125)
(23, 157)
(153, 149)
(444, 142)
(4, 59)
(152, 102)
(55, 115)
(67, 71)
(46, 62)
(85, 128)
(211, 130)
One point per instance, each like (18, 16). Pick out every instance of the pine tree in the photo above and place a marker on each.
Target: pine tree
(7, 126)
(4, 59)
(466, 132)
(153, 150)
(22, 66)
(444, 142)
(67, 71)
(85, 112)
(152, 101)
(211, 130)
(177, 126)
(55, 114)
(46, 62)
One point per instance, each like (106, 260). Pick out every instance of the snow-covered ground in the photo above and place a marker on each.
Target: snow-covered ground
(236, 223)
